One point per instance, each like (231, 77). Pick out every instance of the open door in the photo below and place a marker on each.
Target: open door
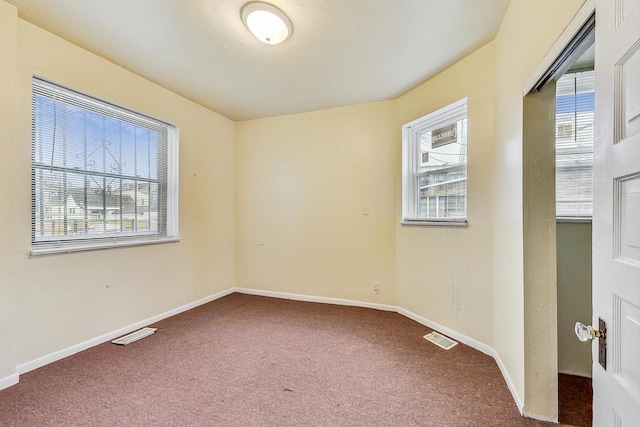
(616, 216)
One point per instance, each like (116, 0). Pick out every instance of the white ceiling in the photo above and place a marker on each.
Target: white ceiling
(342, 52)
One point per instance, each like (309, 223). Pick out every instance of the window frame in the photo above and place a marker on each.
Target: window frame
(167, 180)
(411, 152)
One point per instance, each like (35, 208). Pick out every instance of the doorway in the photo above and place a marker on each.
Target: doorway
(545, 239)
(615, 334)
(574, 136)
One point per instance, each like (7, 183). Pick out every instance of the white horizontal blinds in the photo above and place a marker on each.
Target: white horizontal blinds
(99, 172)
(575, 98)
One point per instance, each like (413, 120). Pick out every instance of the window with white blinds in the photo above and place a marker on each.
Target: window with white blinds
(102, 175)
(575, 97)
(434, 167)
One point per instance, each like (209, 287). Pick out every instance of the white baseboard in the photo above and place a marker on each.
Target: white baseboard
(507, 379)
(61, 354)
(309, 298)
(7, 382)
(448, 332)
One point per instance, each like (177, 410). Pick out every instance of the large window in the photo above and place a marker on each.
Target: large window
(575, 98)
(102, 175)
(434, 184)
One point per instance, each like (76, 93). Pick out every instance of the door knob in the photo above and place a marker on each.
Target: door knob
(586, 333)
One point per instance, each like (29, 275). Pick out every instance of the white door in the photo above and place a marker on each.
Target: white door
(616, 216)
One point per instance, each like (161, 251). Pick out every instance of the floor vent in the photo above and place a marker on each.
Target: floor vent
(135, 336)
(440, 340)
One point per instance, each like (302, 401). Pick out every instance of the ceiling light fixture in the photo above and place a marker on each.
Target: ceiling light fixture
(268, 23)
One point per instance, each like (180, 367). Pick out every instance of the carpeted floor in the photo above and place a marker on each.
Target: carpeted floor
(575, 397)
(254, 361)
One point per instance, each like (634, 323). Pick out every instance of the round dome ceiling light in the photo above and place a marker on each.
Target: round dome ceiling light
(269, 24)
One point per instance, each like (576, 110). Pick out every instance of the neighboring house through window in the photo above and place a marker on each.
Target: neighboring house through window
(102, 175)
(434, 167)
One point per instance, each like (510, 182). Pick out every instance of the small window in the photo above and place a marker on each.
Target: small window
(102, 175)
(434, 167)
(575, 98)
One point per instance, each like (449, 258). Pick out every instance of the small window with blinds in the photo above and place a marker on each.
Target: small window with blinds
(102, 175)
(434, 167)
(575, 97)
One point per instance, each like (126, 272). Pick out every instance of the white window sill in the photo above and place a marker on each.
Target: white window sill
(105, 244)
(435, 222)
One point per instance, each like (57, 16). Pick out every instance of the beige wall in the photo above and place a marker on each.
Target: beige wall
(303, 182)
(528, 31)
(8, 281)
(444, 273)
(573, 241)
(62, 300)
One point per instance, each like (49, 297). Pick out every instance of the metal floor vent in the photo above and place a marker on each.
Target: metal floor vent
(135, 336)
(440, 340)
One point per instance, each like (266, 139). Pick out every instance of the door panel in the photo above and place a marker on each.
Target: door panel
(625, 368)
(616, 214)
(626, 213)
(627, 82)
